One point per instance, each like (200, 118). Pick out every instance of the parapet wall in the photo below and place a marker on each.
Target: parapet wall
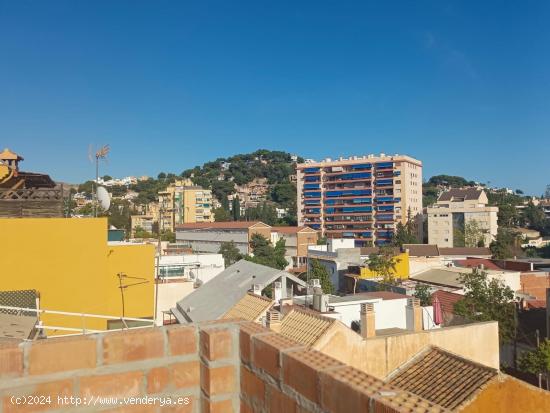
(227, 366)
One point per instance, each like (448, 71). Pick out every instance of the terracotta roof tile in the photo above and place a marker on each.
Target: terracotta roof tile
(305, 327)
(291, 230)
(250, 308)
(476, 262)
(447, 300)
(442, 378)
(465, 251)
(466, 193)
(422, 250)
(221, 225)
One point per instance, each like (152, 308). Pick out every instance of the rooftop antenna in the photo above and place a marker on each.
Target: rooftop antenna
(101, 153)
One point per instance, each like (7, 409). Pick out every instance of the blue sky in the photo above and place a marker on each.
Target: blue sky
(462, 85)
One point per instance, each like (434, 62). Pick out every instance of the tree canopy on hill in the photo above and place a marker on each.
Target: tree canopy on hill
(449, 181)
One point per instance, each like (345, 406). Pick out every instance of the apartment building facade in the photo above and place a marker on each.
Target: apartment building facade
(361, 197)
(184, 203)
(450, 216)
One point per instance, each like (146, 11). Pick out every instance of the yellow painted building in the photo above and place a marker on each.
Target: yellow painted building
(401, 268)
(74, 269)
(184, 203)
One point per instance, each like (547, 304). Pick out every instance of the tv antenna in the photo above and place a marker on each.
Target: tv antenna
(100, 154)
(122, 286)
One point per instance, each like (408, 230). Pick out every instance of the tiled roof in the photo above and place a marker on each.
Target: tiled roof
(304, 326)
(473, 251)
(447, 300)
(291, 230)
(476, 262)
(376, 250)
(221, 225)
(9, 155)
(422, 250)
(249, 308)
(442, 378)
(466, 193)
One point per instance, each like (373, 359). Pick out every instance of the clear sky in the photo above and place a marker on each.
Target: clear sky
(462, 85)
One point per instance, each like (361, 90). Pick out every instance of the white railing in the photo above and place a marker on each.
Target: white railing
(83, 316)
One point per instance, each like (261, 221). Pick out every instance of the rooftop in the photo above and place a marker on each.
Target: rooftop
(291, 230)
(465, 251)
(215, 298)
(305, 326)
(222, 225)
(250, 308)
(422, 250)
(464, 194)
(447, 300)
(442, 378)
(6, 154)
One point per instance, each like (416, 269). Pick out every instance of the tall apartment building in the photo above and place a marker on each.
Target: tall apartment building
(448, 217)
(184, 203)
(361, 197)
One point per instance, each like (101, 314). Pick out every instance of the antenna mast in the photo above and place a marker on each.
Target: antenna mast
(100, 154)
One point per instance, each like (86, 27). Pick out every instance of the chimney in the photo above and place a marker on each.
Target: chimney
(277, 291)
(317, 294)
(481, 267)
(273, 320)
(257, 289)
(368, 327)
(413, 313)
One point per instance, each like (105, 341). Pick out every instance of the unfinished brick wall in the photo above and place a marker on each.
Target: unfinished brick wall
(227, 366)
(280, 375)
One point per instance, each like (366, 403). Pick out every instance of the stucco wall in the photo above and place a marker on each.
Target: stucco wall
(380, 356)
(70, 264)
(506, 394)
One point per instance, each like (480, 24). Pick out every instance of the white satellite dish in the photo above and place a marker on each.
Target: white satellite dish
(103, 198)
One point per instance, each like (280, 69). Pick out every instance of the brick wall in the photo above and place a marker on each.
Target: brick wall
(220, 367)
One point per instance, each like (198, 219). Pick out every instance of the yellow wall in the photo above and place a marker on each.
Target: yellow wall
(401, 268)
(381, 355)
(506, 394)
(69, 262)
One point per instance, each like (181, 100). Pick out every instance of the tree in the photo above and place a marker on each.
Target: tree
(141, 233)
(536, 361)
(284, 193)
(230, 253)
(221, 215)
(383, 264)
(266, 254)
(474, 235)
(505, 244)
(422, 292)
(107, 177)
(319, 271)
(167, 235)
(322, 241)
(507, 215)
(488, 300)
(236, 209)
(405, 234)
(161, 175)
(534, 217)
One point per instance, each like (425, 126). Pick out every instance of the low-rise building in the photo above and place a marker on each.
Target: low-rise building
(209, 237)
(457, 210)
(297, 242)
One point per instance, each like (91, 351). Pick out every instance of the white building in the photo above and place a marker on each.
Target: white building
(193, 267)
(454, 209)
(390, 308)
